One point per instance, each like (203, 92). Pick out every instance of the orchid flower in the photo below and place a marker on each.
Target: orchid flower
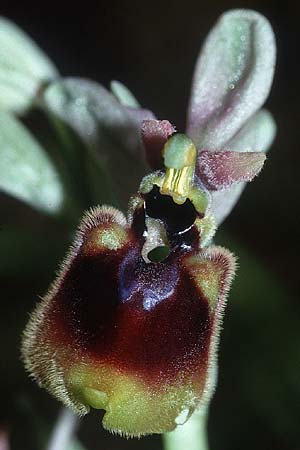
(131, 324)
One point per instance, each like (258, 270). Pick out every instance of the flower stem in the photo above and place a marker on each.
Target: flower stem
(191, 435)
(64, 431)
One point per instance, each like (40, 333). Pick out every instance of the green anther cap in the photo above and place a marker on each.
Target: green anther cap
(179, 152)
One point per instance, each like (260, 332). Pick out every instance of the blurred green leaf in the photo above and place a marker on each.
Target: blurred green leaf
(114, 158)
(24, 248)
(262, 339)
(26, 172)
(24, 68)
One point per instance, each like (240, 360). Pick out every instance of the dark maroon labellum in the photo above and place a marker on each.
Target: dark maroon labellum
(124, 333)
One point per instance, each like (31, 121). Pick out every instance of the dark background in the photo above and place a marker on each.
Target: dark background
(152, 48)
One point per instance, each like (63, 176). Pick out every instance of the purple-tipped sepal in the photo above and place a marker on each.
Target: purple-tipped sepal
(220, 170)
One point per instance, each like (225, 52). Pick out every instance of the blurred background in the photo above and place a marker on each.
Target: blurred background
(152, 49)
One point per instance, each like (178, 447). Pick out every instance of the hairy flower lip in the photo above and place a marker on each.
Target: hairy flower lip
(121, 339)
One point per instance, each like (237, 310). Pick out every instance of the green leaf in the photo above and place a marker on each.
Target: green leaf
(111, 135)
(26, 172)
(24, 68)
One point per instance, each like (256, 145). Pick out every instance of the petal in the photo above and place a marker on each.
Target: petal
(126, 98)
(219, 170)
(92, 112)
(123, 94)
(23, 68)
(256, 135)
(155, 134)
(224, 201)
(140, 114)
(110, 134)
(232, 79)
(102, 337)
(26, 171)
(17, 90)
